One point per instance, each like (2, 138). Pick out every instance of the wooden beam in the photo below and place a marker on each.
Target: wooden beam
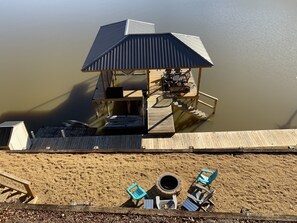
(198, 86)
(143, 111)
(103, 85)
(108, 81)
(199, 80)
(107, 106)
(95, 106)
(112, 78)
(148, 82)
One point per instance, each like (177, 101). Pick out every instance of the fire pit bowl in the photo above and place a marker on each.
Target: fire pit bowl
(168, 184)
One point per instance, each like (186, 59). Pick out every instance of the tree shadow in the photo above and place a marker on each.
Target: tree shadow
(77, 106)
(288, 124)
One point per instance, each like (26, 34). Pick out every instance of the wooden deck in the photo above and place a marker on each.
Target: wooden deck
(159, 110)
(229, 140)
(156, 87)
(159, 116)
(264, 139)
(88, 142)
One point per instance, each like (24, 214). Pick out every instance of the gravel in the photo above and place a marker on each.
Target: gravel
(9, 214)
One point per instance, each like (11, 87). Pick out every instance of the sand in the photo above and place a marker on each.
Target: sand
(260, 183)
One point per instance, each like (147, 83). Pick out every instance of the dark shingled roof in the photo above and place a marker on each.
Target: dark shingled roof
(133, 44)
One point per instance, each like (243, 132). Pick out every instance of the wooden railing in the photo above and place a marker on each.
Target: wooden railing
(214, 99)
(16, 183)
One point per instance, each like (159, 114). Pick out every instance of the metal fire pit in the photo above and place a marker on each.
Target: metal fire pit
(168, 184)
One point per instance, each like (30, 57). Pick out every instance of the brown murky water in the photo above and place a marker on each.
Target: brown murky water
(253, 45)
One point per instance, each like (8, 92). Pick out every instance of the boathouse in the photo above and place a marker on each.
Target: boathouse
(144, 74)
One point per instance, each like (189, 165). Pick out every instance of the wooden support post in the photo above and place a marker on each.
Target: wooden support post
(112, 78)
(143, 111)
(148, 82)
(115, 76)
(108, 81)
(199, 80)
(198, 86)
(215, 106)
(107, 106)
(29, 191)
(95, 105)
(103, 85)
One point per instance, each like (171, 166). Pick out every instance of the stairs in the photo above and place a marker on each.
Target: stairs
(190, 110)
(9, 195)
(14, 189)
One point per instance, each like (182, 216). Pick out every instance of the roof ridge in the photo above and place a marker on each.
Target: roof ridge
(139, 21)
(184, 34)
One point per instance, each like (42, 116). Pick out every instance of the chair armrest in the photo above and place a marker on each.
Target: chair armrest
(158, 202)
(192, 197)
(175, 201)
(202, 188)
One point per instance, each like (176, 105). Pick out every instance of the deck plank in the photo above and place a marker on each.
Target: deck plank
(159, 119)
(198, 140)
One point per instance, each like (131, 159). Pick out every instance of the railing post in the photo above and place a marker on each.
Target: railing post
(29, 191)
(148, 82)
(215, 106)
(215, 100)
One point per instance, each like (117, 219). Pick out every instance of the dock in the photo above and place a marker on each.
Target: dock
(249, 140)
(159, 118)
(159, 110)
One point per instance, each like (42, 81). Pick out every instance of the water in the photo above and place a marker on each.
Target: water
(253, 45)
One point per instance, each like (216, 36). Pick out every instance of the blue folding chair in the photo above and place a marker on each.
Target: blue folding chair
(136, 192)
(205, 177)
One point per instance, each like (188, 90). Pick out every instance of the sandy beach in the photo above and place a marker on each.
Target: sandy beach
(260, 183)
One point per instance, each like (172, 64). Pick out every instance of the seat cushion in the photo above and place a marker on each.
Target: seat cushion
(190, 205)
(148, 203)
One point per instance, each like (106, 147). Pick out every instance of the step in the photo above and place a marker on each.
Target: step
(5, 194)
(190, 109)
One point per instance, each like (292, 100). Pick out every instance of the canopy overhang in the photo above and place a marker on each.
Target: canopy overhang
(133, 45)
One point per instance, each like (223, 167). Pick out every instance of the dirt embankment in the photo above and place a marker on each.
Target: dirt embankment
(260, 183)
